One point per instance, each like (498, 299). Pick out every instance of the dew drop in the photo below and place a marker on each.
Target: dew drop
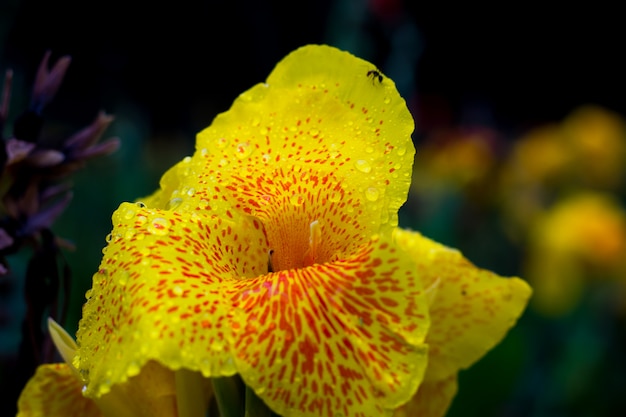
(84, 389)
(187, 159)
(314, 132)
(109, 238)
(243, 150)
(372, 193)
(129, 233)
(369, 149)
(203, 204)
(158, 226)
(223, 162)
(334, 196)
(217, 346)
(174, 203)
(256, 121)
(191, 191)
(401, 150)
(140, 204)
(221, 143)
(266, 157)
(130, 213)
(133, 369)
(123, 278)
(363, 166)
(387, 100)
(177, 290)
(297, 199)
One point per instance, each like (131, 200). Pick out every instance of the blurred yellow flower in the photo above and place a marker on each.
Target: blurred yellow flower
(596, 138)
(273, 253)
(580, 237)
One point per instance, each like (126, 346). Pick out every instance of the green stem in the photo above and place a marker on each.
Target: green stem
(228, 397)
(255, 407)
(191, 393)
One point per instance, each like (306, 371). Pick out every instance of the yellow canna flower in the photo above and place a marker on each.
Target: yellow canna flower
(273, 253)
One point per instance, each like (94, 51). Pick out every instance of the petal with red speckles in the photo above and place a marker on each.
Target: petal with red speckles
(55, 391)
(175, 288)
(433, 399)
(285, 211)
(472, 308)
(160, 294)
(341, 337)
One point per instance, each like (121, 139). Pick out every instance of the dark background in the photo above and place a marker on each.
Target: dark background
(165, 71)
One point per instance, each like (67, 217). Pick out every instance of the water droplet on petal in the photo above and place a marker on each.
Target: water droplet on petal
(158, 226)
(401, 150)
(387, 100)
(217, 346)
(297, 199)
(372, 193)
(223, 162)
(363, 166)
(130, 213)
(123, 278)
(109, 238)
(203, 204)
(140, 204)
(334, 196)
(314, 132)
(243, 150)
(221, 143)
(191, 191)
(174, 203)
(133, 369)
(369, 149)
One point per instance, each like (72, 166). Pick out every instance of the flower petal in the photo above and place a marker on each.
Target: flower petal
(432, 400)
(159, 294)
(472, 308)
(54, 391)
(323, 140)
(343, 337)
(175, 294)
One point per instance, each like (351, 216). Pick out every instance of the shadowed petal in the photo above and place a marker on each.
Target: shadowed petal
(433, 399)
(54, 391)
(472, 308)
